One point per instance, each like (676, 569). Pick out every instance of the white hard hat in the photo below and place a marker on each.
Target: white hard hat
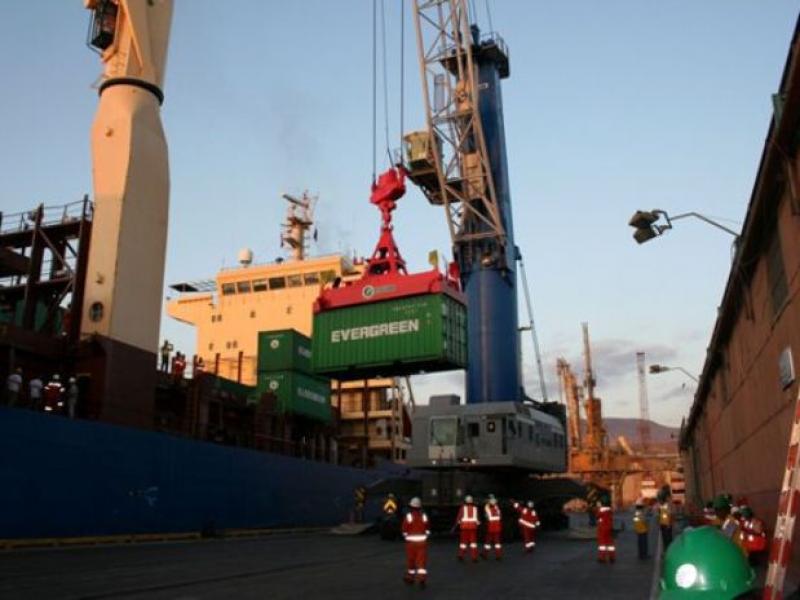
(72, 380)
(530, 503)
(56, 377)
(468, 499)
(492, 499)
(415, 502)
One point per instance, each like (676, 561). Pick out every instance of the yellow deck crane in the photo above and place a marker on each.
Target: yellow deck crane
(125, 274)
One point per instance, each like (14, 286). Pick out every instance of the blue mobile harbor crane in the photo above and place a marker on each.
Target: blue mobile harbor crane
(500, 438)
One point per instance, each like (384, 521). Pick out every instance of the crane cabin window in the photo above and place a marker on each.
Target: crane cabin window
(295, 280)
(260, 285)
(228, 289)
(311, 278)
(444, 431)
(243, 287)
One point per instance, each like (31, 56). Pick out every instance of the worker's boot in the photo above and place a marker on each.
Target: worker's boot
(408, 578)
(612, 556)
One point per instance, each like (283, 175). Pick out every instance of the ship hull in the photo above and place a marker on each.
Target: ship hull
(66, 478)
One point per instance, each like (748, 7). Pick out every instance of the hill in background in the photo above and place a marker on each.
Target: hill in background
(661, 436)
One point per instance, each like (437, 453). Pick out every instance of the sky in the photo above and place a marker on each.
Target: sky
(610, 107)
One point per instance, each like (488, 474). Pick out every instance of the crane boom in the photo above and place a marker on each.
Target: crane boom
(464, 183)
(569, 388)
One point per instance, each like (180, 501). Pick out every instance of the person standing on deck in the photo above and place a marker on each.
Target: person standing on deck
(494, 529)
(606, 550)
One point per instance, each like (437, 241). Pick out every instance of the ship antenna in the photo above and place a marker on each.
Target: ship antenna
(299, 219)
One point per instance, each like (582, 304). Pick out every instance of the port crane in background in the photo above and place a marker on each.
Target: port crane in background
(644, 405)
(592, 458)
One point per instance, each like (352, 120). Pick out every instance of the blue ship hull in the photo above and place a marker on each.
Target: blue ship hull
(65, 478)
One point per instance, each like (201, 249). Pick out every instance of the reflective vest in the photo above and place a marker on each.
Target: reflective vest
(468, 517)
(494, 519)
(605, 520)
(390, 506)
(639, 522)
(527, 516)
(665, 515)
(415, 526)
(753, 536)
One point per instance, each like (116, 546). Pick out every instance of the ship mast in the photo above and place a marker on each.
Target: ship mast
(299, 219)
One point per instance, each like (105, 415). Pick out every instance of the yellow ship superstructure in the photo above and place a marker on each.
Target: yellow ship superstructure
(245, 300)
(229, 312)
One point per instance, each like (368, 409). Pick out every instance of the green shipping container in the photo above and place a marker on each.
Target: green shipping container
(394, 337)
(298, 393)
(284, 350)
(243, 392)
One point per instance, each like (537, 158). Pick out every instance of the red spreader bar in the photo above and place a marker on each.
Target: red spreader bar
(385, 276)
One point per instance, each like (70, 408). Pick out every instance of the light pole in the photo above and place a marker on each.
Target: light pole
(654, 369)
(646, 224)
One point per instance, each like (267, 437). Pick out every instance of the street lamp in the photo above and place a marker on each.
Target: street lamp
(645, 222)
(663, 368)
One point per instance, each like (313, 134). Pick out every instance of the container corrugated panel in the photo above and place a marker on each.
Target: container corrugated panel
(395, 337)
(284, 350)
(298, 393)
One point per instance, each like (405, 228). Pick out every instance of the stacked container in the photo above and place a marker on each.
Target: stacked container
(284, 369)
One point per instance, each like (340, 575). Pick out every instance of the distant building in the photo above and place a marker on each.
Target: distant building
(737, 434)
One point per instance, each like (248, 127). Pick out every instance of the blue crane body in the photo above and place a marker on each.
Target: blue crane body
(494, 372)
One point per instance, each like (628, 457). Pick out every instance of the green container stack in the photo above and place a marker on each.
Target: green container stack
(298, 393)
(389, 338)
(284, 369)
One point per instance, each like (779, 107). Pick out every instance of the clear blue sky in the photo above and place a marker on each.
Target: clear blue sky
(610, 107)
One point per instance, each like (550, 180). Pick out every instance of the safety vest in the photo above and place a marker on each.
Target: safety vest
(390, 506)
(527, 516)
(415, 526)
(605, 519)
(494, 518)
(753, 536)
(665, 515)
(639, 522)
(468, 517)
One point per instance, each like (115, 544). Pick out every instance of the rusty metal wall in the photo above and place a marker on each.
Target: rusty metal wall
(740, 439)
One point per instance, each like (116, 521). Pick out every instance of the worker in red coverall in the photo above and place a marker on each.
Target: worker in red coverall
(753, 535)
(416, 532)
(606, 551)
(494, 529)
(528, 524)
(468, 522)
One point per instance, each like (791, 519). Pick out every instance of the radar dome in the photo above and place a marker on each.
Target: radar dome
(245, 257)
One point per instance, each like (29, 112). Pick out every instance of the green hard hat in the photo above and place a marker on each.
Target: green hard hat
(722, 502)
(703, 564)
